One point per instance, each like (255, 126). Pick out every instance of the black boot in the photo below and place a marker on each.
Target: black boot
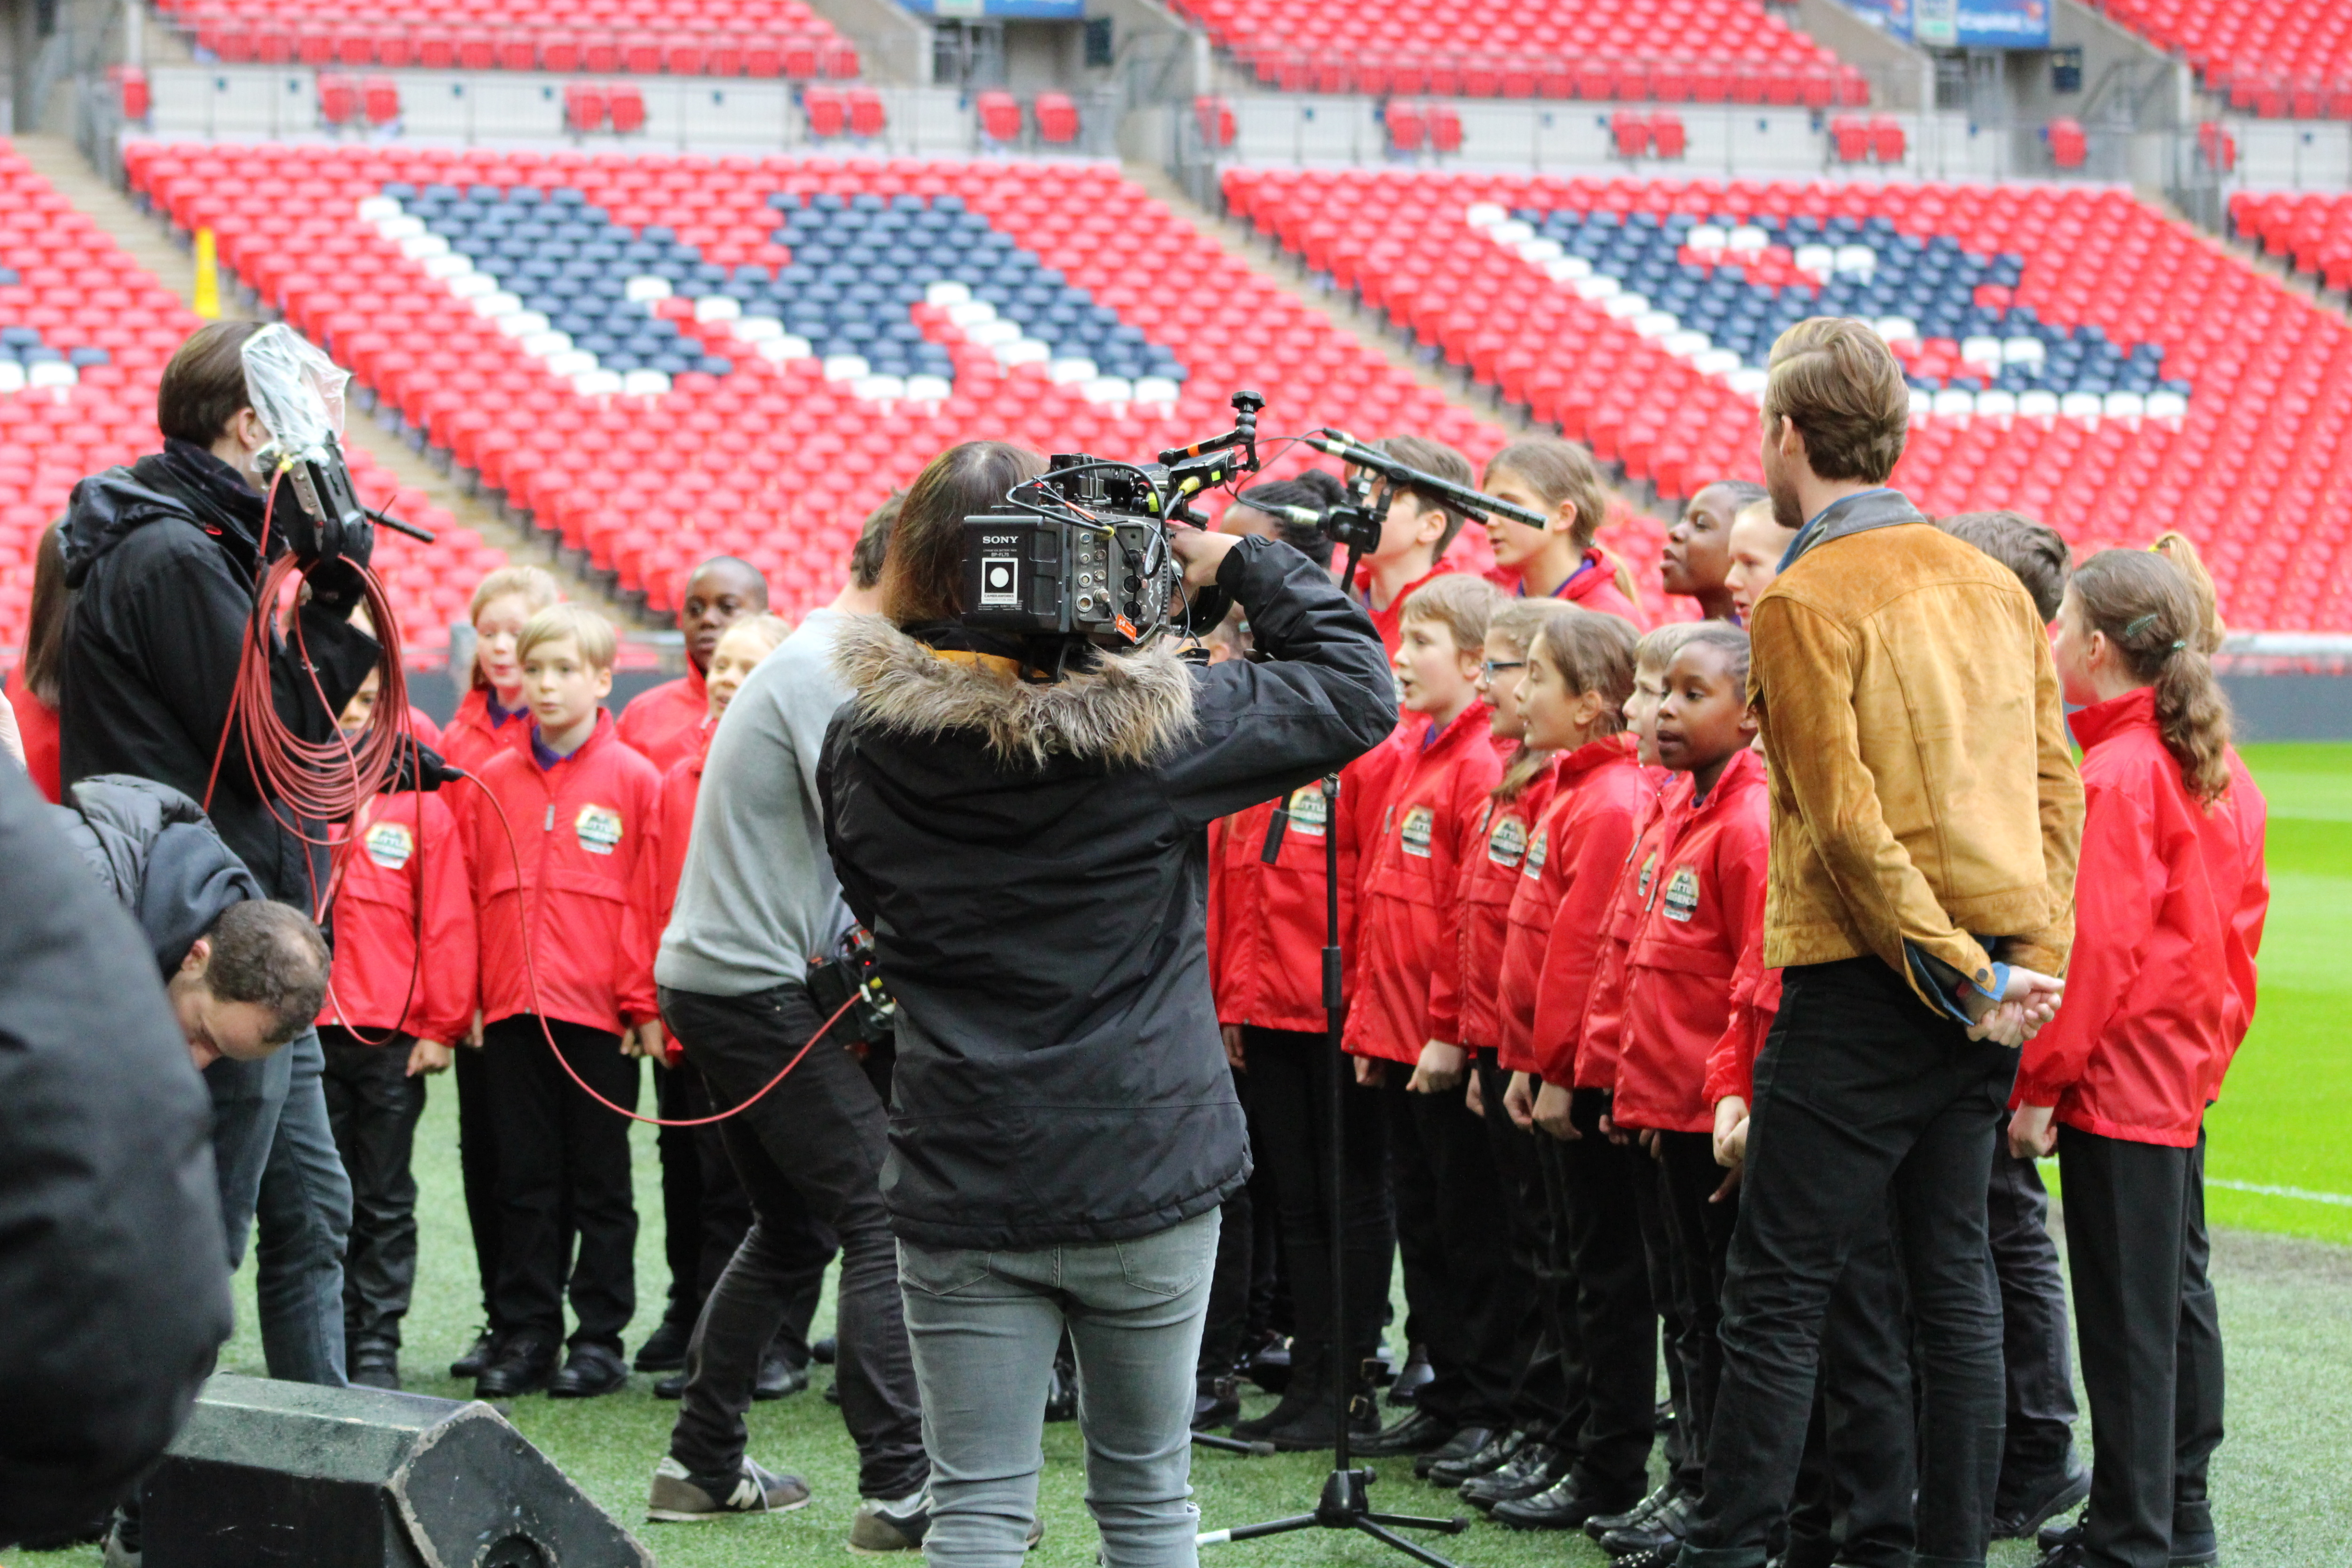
(1303, 1391)
(1311, 1430)
(1215, 1401)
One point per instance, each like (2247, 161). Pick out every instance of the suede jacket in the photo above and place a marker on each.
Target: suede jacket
(1925, 804)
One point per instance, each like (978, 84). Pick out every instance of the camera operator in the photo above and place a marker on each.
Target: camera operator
(1029, 852)
(164, 558)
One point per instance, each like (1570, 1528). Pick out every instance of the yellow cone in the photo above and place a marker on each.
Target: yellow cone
(206, 303)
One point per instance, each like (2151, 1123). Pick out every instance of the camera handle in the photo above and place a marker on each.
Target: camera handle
(1357, 522)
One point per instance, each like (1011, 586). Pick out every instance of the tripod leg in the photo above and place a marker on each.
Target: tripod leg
(1454, 1526)
(1412, 1548)
(1252, 1531)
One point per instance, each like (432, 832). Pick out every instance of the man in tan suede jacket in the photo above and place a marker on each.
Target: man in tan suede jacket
(1926, 814)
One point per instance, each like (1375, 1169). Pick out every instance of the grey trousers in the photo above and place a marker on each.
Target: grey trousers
(984, 1326)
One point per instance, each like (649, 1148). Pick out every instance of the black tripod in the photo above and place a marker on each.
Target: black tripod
(1343, 1505)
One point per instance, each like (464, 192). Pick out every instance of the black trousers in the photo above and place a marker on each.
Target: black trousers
(478, 1169)
(1697, 1234)
(1549, 1396)
(1291, 1134)
(1862, 1094)
(2151, 1341)
(563, 1179)
(1684, 1472)
(2037, 1343)
(1853, 1503)
(1591, 1184)
(704, 1210)
(1240, 1290)
(811, 1148)
(1457, 1274)
(373, 1106)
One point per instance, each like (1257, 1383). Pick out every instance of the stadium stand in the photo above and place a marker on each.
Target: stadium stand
(2273, 58)
(663, 356)
(1696, 51)
(2073, 353)
(87, 334)
(698, 38)
(2313, 232)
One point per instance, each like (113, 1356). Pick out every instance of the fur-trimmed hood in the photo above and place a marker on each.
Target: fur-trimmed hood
(1128, 709)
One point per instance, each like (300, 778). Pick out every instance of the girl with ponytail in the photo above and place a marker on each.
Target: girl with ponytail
(1560, 560)
(2169, 896)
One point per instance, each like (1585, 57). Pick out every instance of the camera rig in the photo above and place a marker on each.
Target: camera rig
(1081, 551)
(1356, 522)
(298, 393)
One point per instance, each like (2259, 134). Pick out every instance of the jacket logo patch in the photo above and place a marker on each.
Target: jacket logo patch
(1420, 827)
(599, 827)
(1308, 811)
(1537, 847)
(1649, 870)
(1682, 893)
(389, 845)
(1508, 842)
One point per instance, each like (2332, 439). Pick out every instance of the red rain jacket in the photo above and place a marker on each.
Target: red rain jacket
(407, 873)
(1705, 898)
(1489, 877)
(1755, 1003)
(1412, 881)
(1604, 1008)
(37, 727)
(660, 723)
(1593, 586)
(2168, 907)
(474, 737)
(581, 829)
(1558, 913)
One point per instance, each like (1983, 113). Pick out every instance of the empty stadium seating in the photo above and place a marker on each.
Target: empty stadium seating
(714, 38)
(87, 333)
(2074, 354)
(2290, 58)
(663, 356)
(1699, 51)
(2313, 232)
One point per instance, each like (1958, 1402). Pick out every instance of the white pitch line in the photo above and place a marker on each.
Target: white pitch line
(2342, 1200)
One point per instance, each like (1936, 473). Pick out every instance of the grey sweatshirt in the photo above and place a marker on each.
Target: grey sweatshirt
(758, 898)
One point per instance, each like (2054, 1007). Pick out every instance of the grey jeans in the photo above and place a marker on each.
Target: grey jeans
(985, 1327)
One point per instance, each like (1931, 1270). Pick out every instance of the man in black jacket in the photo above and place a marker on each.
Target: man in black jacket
(113, 1273)
(165, 557)
(1030, 854)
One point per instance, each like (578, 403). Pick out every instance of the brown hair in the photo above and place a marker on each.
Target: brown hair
(2034, 551)
(1518, 622)
(922, 572)
(44, 621)
(873, 546)
(268, 954)
(597, 641)
(1592, 652)
(1561, 472)
(1461, 603)
(2144, 606)
(2175, 548)
(1834, 379)
(1434, 458)
(204, 386)
(1660, 644)
(536, 585)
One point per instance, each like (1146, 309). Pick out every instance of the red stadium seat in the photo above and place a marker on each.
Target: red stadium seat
(867, 115)
(1057, 118)
(827, 111)
(1444, 128)
(627, 106)
(1214, 116)
(2278, 57)
(1849, 139)
(584, 106)
(380, 99)
(2070, 148)
(1408, 126)
(1886, 140)
(999, 116)
(1667, 136)
(1631, 132)
(339, 98)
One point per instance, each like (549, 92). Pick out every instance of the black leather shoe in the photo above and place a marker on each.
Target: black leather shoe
(825, 1349)
(1662, 1529)
(1215, 1401)
(1310, 1431)
(522, 1365)
(1416, 1434)
(1465, 1442)
(1641, 1512)
(588, 1372)
(670, 1385)
(477, 1357)
(1269, 1365)
(2051, 1537)
(1564, 1505)
(375, 1368)
(1536, 1468)
(1412, 1378)
(779, 1378)
(833, 1391)
(2018, 1518)
(1491, 1456)
(665, 1349)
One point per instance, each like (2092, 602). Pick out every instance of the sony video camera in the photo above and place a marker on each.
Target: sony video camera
(1081, 551)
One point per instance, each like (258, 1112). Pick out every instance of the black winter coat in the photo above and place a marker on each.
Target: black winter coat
(164, 557)
(113, 1269)
(154, 848)
(1033, 862)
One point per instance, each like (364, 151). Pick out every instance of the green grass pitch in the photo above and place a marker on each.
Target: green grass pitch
(2279, 1481)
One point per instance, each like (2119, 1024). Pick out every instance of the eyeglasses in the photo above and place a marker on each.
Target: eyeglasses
(1492, 665)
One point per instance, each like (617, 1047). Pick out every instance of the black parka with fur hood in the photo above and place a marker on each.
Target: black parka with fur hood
(1031, 860)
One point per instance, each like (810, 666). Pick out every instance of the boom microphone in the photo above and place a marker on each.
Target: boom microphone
(1472, 504)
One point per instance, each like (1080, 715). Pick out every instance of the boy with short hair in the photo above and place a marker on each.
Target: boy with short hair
(1404, 1016)
(1414, 539)
(554, 964)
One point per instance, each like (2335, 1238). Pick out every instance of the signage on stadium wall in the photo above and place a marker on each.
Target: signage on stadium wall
(1018, 10)
(1975, 24)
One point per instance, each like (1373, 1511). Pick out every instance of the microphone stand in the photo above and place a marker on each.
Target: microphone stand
(1343, 1505)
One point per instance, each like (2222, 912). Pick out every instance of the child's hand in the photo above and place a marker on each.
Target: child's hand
(1474, 1098)
(1553, 1101)
(2030, 1134)
(1370, 1071)
(474, 1034)
(1648, 1136)
(1520, 1101)
(1439, 1070)
(1730, 1131)
(645, 1040)
(1611, 1131)
(427, 1056)
(1232, 1035)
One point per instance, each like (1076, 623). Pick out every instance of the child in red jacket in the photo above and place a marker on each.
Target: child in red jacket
(402, 989)
(2170, 895)
(1558, 561)
(1706, 894)
(1400, 1022)
(555, 836)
